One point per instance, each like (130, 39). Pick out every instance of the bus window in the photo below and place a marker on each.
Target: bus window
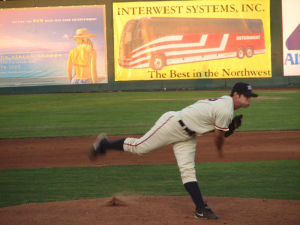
(137, 37)
(255, 26)
(128, 37)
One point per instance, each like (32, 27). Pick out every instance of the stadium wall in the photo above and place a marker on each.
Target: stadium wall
(277, 80)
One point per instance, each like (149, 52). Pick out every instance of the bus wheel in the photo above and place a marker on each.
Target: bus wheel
(249, 52)
(240, 53)
(157, 62)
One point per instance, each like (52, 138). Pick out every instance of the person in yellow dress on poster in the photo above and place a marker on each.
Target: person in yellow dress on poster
(82, 60)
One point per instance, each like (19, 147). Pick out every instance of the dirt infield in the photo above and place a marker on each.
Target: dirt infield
(139, 210)
(72, 151)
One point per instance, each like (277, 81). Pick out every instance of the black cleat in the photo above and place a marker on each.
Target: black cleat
(205, 213)
(96, 148)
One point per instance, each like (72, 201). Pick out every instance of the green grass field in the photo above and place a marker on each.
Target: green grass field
(272, 179)
(81, 114)
(55, 115)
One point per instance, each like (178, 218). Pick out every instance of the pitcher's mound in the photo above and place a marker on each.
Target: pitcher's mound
(115, 202)
(153, 210)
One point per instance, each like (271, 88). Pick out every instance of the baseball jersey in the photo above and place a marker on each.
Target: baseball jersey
(206, 115)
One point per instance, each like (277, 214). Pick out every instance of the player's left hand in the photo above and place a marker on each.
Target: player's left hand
(235, 123)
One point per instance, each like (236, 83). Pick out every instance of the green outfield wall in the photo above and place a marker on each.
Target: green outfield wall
(277, 80)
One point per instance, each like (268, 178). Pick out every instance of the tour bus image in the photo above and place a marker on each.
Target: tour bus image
(155, 42)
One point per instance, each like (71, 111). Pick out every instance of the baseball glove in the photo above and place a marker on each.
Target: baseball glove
(235, 123)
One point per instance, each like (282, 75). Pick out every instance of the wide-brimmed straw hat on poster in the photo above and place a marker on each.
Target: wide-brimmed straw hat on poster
(84, 33)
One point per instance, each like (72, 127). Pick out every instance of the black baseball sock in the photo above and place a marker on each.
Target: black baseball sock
(115, 145)
(194, 191)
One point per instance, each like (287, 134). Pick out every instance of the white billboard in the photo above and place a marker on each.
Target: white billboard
(291, 37)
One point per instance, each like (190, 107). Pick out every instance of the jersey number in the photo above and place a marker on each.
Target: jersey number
(213, 99)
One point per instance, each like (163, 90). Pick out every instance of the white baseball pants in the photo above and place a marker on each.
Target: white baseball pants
(167, 130)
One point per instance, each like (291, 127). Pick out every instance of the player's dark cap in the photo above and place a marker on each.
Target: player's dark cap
(243, 88)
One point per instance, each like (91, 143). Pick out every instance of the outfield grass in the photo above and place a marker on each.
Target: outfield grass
(84, 114)
(271, 179)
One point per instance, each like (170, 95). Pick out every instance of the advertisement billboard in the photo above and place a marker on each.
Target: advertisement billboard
(53, 46)
(291, 37)
(192, 40)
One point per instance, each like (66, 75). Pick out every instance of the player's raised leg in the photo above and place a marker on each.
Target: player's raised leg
(102, 144)
(165, 131)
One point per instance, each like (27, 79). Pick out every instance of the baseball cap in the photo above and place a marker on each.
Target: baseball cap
(243, 88)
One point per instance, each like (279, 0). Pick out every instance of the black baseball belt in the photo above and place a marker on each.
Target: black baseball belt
(190, 132)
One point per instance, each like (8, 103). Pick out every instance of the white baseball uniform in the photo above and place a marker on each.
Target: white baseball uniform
(178, 128)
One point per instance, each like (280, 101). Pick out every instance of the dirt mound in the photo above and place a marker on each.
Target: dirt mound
(115, 202)
(153, 210)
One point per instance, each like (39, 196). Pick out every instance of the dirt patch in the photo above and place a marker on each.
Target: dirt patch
(72, 151)
(149, 210)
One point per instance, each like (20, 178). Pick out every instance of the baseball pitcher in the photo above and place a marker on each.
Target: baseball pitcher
(180, 128)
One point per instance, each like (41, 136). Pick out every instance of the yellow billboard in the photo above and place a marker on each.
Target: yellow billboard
(171, 40)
